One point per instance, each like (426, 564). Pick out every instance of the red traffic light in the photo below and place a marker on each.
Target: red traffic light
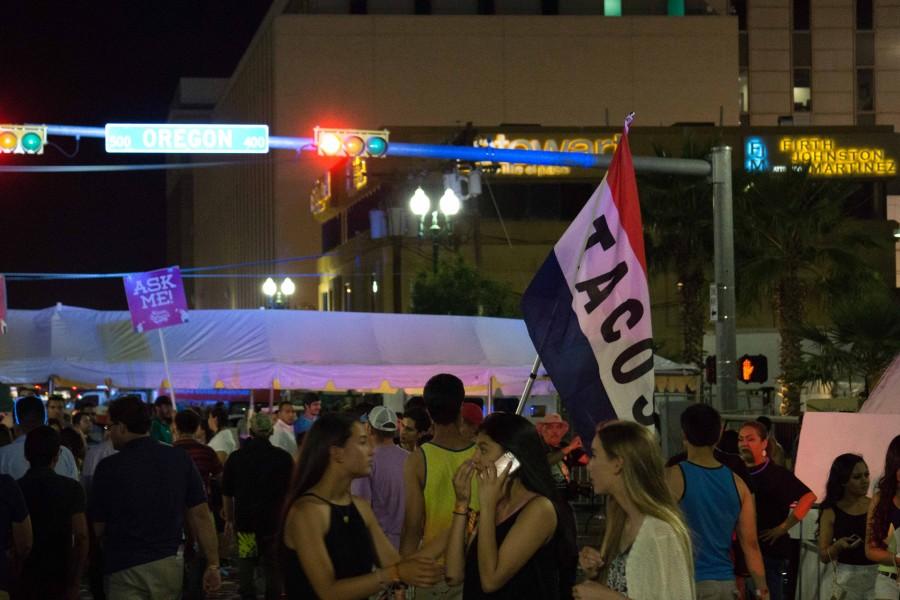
(351, 142)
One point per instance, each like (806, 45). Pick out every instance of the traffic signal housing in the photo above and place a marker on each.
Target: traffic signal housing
(351, 142)
(753, 368)
(22, 139)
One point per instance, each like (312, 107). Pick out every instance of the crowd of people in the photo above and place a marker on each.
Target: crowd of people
(436, 502)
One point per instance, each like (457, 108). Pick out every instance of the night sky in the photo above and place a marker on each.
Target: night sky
(89, 63)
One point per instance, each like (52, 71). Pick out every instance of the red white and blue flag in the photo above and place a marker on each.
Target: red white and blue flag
(588, 307)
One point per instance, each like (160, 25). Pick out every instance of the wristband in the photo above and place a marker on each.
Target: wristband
(394, 571)
(211, 567)
(461, 514)
(461, 507)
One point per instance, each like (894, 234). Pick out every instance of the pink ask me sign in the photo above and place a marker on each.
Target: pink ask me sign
(156, 299)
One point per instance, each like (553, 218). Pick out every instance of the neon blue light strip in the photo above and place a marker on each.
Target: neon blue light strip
(469, 153)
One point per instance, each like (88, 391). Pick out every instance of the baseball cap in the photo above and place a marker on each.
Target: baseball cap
(383, 419)
(471, 413)
(261, 423)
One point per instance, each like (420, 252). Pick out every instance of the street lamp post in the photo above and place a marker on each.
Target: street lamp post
(276, 296)
(448, 205)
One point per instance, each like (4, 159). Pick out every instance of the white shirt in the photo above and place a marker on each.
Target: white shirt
(656, 562)
(224, 441)
(283, 437)
(14, 464)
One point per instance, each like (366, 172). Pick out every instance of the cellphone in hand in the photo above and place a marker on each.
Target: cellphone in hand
(504, 460)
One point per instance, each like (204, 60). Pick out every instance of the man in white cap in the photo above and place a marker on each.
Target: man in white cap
(384, 487)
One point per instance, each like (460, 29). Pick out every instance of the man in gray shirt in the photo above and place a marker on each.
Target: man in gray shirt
(384, 487)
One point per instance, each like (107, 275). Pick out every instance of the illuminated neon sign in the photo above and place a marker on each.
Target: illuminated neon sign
(825, 158)
(756, 155)
(586, 145)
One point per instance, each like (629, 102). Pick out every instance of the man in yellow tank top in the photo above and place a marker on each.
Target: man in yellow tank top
(428, 476)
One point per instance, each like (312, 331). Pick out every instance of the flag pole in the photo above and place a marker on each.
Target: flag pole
(526, 393)
(162, 345)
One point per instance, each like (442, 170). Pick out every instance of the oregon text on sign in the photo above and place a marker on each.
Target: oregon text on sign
(205, 139)
(825, 158)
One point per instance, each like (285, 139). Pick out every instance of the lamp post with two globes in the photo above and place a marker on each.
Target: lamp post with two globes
(448, 206)
(277, 296)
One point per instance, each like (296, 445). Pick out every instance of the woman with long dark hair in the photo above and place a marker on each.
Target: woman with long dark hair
(842, 527)
(881, 524)
(646, 551)
(514, 552)
(333, 547)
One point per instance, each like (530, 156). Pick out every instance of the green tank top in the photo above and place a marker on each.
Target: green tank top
(440, 467)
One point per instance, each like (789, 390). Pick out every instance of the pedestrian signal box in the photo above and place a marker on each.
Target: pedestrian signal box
(753, 368)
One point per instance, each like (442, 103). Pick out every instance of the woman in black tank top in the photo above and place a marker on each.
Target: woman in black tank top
(331, 544)
(516, 550)
(842, 527)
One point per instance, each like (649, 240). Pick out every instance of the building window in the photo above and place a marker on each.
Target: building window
(676, 8)
(801, 46)
(612, 8)
(486, 7)
(865, 90)
(743, 49)
(331, 234)
(359, 7)
(865, 16)
(744, 84)
(739, 9)
(865, 49)
(423, 7)
(802, 91)
(801, 15)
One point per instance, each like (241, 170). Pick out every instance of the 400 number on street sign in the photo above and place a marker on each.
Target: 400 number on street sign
(186, 139)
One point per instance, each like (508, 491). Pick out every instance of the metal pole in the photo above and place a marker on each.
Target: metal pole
(526, 393)
(723, 219)
(162, 346)
(434, 253)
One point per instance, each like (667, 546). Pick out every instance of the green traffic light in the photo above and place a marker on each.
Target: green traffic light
(377, 146)
(31, 142)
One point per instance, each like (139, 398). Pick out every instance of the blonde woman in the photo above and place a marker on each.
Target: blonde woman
(646, 550)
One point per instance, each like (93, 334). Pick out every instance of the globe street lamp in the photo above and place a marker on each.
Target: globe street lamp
(420, 205)
(275, 294)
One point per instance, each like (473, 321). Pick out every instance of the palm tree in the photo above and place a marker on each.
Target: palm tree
(793, 242)
(861, 342)
(678, 233)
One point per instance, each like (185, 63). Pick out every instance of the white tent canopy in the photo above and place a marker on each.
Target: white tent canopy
(286, 349)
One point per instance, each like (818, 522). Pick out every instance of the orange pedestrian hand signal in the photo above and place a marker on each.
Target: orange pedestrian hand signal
(753, 368)
(746, 369)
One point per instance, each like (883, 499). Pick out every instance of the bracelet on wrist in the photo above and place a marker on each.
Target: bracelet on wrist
(394, 571)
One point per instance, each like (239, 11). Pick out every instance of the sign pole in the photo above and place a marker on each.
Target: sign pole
(162, 345)
(723, 231)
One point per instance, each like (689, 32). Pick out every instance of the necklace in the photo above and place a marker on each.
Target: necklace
(761, 469)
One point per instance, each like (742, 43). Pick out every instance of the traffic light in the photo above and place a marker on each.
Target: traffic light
(351, 142)
(753, 368)
(22, 139)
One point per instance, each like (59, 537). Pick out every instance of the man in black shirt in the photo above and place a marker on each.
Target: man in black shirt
(782, 501)
(56, 504)
(140, 500)
(255, 481)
